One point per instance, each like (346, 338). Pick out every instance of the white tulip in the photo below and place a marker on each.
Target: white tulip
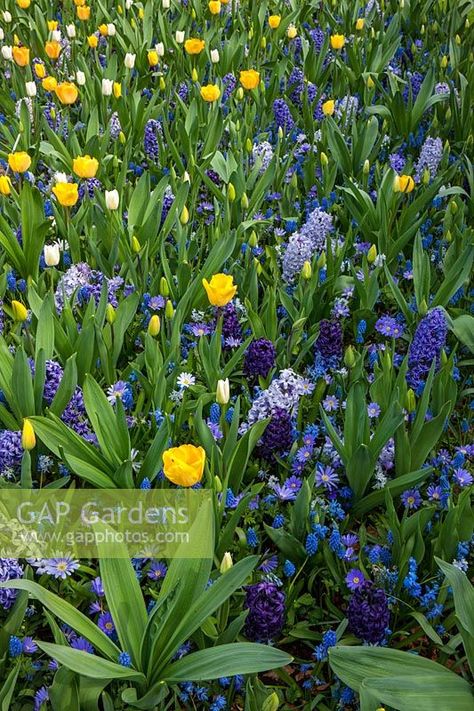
(226, 563)
(128, 4)
(111, 31)
(129, 60)
(160, 49)
(30, 88)
(80, 78)
(179, 36)
(107, 87)
(56, 35)
(2, 35)
(7, 53)
(71, 31)
(166, 4)
(112, 199)
(186, 178)
(51, 254)
(60, 177)
(7, 16)
(215, 56)
(223, 392)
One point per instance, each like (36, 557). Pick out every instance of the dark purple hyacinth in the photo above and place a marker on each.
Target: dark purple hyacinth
(266, 605)
(278, 436)
(329, 341)
(426, 346)
(368, 613)
(259, 358)
(231, 330)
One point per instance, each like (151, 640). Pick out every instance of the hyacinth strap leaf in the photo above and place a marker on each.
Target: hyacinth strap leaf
(226, 660)
(8, 688)
(68, 614)
(399, 679)
(88, 664)
(64, 691)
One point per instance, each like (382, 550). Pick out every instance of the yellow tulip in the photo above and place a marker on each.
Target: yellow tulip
(328, 107)
(40, 70)
(406, 183)
(49, 84)
(5, 185)
(184, 465)
(274, 21)
(66, 194)
(83, 12)
(220, 290)
(214, 7)
(20, 312)
(210, 92)
(117, 89)
(67, 92)
(360, 23)
(104, 30)
(249, 78)
(52, 49)
(52, 25)
(19, 162)
(194, 46)
(24, 4)
(153, 58)
(154, 325)
(291, 32)
(21, 55)
(337, 41)
(28, 438)
(93, 41)
(85, 166)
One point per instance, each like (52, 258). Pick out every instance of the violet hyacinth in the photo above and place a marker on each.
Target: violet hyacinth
(266, 605)
(426, 346)
(278, 435)
(259, 358)
(303, 244)
(430, 158)
(9, 570)
(329, 341)
(368, 613)
(282, 113)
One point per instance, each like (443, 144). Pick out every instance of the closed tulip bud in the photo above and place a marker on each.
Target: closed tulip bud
(30, 89)
(110, 314)
(453, 206)
(162, 84)
(223, 392)
(372, 254)
(169, 310)
(410, 401)
(71, 31)
(240, 93)
(370, 83)
(20, 312)
(251, 33)
(263, 42)
(166, 4)
(231, 192)
(215, 56)
(7, 53)
(193, 14)
(217, 484)
(423, 308)
(194, 74)
(402, 4)
(244, 201)
(458, 40)
(5, 185)
(117, 90)
(291, 32)
(306, 271)
(226, 563)
(51, 254)
(324, 159)
(80, 78)
(164, 288)
(160, 49)
(135, 244)
(253, 240)
(129, 60)
(186, 177)
(349, 357)
(426, 176)
(112, 199)
(444, 61)
(107, 87)
(28, 438)
(444, 357)
(271, 703)
(249, 145)
(154, 325)
(184, 217)
(321, 263)
(366, 167)
(179, 37)
(422, 30)
(258, 266)
(111, 31)
(7, 17)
